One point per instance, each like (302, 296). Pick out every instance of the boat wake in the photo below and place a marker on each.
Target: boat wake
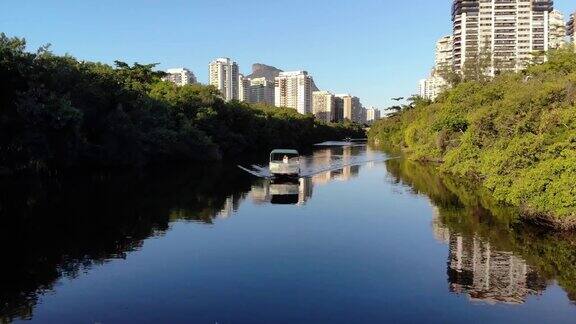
(311, 168)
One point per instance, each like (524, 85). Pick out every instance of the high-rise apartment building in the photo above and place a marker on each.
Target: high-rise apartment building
(262, 91)
(224, 76)
(294, 90)
(180, 76)
(323, 106)
(557, 29)
(243, 88)
(372, 114)
(338, 109)
(444, 53)
(431, 87)
(351, 107)
(571, 29)
(363, 115)
(511, 30)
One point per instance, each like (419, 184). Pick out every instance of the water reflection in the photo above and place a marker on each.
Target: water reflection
(492, 257)
(282, 192)
(61, 226)
(484, 273)
(58, 227)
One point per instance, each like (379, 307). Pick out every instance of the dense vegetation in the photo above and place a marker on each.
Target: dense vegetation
(516, 134)
(57, 112)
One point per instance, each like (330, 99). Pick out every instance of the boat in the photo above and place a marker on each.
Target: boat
(284, 163)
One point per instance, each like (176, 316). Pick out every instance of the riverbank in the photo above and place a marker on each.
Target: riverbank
(59, 112)
(515, 135)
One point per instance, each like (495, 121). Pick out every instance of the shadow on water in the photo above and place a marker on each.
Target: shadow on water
(493, 257)
(61, 226)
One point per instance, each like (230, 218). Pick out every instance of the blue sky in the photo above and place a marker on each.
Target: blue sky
(374, 49)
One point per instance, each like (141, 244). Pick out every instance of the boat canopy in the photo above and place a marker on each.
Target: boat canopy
(291, 152)
(277, 155)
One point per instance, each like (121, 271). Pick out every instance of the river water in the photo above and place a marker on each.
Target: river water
(365, 238)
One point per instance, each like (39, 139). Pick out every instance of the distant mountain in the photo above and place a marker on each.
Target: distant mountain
(264, 71)
(314, 87)
(269, 72)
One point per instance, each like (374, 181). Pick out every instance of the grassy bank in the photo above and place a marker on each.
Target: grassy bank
(516, 135)
(59, 112)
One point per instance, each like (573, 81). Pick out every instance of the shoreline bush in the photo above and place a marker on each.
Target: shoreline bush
(516, 134)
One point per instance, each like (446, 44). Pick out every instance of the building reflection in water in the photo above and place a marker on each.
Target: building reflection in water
(483, 273)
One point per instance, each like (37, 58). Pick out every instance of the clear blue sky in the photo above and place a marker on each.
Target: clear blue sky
(374, 49)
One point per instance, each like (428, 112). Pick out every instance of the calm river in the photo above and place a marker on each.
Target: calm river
(370, 240)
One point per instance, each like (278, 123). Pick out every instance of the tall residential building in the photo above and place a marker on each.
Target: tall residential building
(262, 91)
(431, 87)
(557, 29)
(363, 119)
(444, 53)
(571, 29)
(338, 109)
(372, 114)
(351, 108)
(294, 90)
(180, 76)
(323, 106)
(243, 88)
(510, 29)
(224, 76)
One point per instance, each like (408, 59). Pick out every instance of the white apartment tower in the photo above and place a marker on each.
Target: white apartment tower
(224, 76)
(243, 88)
(444, 53)
(557, 29)
(294, 90)
(510, 29)
(372, 114)
(323, 106)
(432, 87)
(180, 76)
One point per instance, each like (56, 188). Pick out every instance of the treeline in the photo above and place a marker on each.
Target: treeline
(516, 134)
(58, 112)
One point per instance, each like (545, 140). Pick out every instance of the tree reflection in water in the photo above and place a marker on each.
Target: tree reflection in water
(493, 257)
(60, 226)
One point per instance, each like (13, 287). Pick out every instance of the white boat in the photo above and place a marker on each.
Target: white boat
(285, 163)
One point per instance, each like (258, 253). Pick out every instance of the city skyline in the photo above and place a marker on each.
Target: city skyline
(153, 32)
(510, 32)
